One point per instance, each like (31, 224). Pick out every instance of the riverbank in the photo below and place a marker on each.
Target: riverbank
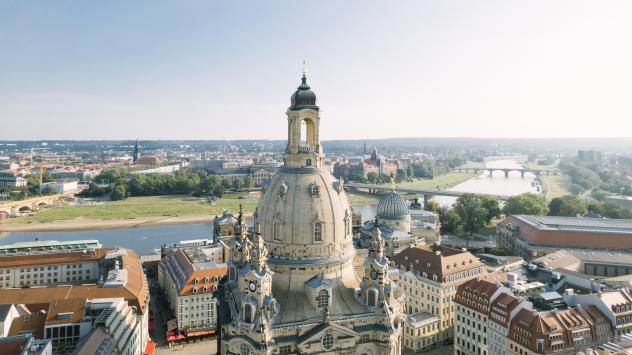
(83, 224)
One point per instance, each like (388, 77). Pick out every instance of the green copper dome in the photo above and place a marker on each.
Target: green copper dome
(303, 97)
(392, 206)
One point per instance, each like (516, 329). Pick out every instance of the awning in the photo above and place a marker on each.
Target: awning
(171, 338)
(195, 333)
(149, 349)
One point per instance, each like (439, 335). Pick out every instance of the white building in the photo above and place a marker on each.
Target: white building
(188, 278)
(50, 268)
(59, 187)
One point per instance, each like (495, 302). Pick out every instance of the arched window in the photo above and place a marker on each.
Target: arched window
(327, 342)
(318, 231)
(371, 298)
(348, 223)
(248, 313)
(276, 230)
(322, 300)
(308, 162)
(232, 274)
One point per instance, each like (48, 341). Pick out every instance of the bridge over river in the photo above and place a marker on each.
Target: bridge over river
(522, 171)
(427, 193)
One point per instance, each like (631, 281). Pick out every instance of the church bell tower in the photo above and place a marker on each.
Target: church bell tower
(303, 129)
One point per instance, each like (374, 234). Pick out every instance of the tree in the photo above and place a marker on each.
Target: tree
(575, 189)
(226, 183)
(450, 222)
(371, 176)
(238, 184)
(249, 182)
(612, 210)
(118, 192)
(568, 205)
(527, 203)
(431, 206)
(48, 190)
(402, 175)
(472, 212)
(490, 204)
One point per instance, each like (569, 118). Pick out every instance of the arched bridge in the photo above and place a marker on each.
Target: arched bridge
(427, 193)
(17, 208)
(522, 171)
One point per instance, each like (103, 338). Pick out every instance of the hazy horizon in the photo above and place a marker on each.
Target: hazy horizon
(214, 71)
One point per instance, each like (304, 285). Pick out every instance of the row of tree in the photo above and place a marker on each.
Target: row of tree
(198, 183)
(471, 213)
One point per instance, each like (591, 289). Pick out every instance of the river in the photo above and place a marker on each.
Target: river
(144, 239)
(498, 184)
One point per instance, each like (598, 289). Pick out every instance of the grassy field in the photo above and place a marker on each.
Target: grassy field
(133, 207)
(357, 197)
(440, 182)
(473, 165)
(556, 185)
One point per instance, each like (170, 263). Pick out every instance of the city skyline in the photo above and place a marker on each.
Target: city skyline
(202, 70)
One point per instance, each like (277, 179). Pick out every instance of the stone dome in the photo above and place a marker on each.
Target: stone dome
(393, 206)
(303, 97)
(303, 215)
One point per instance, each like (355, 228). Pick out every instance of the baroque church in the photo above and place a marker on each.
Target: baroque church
(292, 287)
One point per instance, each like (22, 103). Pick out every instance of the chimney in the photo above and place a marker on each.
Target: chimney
(438, 252)
(464, 249)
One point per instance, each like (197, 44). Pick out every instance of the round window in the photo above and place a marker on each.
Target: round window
(327, 342)
(244, 349)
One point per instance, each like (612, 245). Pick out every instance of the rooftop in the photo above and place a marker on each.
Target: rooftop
(578, 224)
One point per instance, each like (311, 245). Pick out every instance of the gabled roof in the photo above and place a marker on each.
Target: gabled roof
(436, 260)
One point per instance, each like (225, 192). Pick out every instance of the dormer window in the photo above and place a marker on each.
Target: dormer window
(314, 190)
(196, 281)
(322, 300)
(206, 279)
(194, 289)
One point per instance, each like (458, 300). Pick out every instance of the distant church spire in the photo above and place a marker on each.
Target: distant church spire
(136, 152)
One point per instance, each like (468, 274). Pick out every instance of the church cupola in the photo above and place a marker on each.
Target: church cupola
(303, 119)
(303, 97)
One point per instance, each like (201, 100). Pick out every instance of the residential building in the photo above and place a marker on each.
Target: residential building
(8, 180)
(25, 344)
(65, 312)
(490, 320)
(616, 305)
(534, 236)
(48, 246)
(50, 268)
(189, 277)
(430, 276)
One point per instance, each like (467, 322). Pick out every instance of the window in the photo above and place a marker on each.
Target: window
(248, 313)
(276, 230)
(322, 300)
(372, 298)
(244, 349)
(327, 342)
(318, 231)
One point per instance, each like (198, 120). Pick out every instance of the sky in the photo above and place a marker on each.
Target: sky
(226, 70)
